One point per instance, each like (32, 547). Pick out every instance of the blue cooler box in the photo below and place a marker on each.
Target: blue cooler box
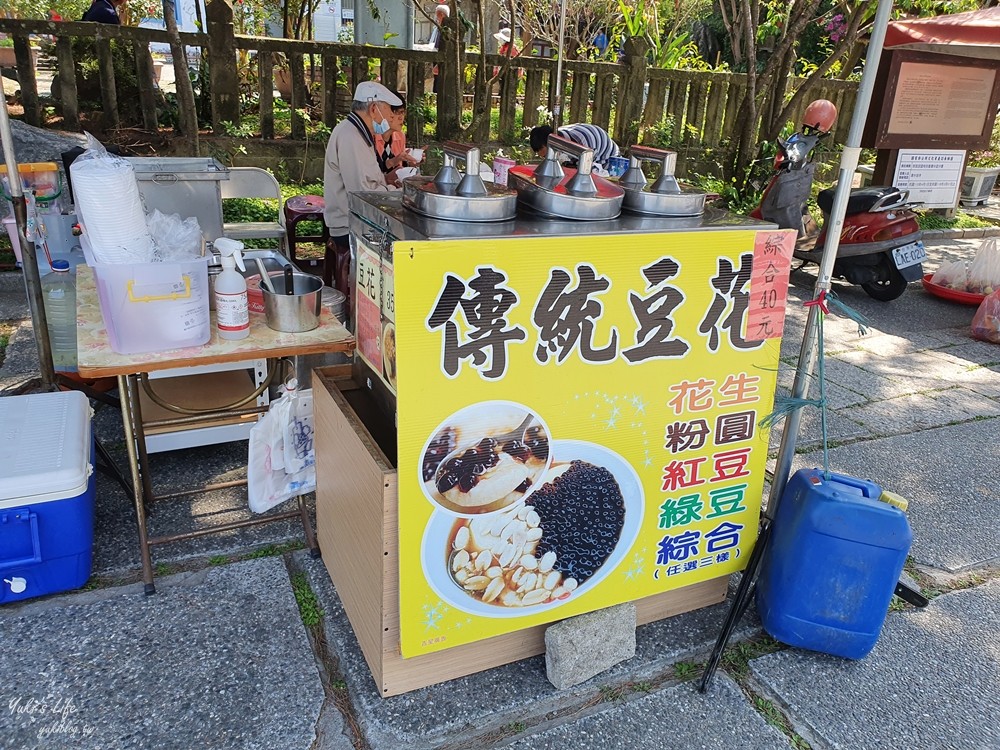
(46, 494)
(836, 554)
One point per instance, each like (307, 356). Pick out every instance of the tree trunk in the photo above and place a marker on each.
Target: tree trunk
(185, 91)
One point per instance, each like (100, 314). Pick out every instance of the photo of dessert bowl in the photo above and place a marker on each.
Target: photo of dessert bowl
(484, 458)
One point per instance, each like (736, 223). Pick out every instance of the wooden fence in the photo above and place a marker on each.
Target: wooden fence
(698, 109)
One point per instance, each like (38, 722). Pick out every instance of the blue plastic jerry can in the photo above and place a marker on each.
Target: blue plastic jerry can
(836, 553)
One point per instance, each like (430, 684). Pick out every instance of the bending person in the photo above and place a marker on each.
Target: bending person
(585, 134)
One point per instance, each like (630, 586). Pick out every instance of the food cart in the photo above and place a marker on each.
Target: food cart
(545, 415)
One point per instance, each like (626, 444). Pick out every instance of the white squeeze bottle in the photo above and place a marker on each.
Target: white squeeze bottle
(231, 312)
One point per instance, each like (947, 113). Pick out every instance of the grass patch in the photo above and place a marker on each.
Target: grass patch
(219, 560)
(736, 659)
(778, 720)
(305, 597)
(962, 220)
(6, 333)
(503, 732)
(686, 670)
(274, 550)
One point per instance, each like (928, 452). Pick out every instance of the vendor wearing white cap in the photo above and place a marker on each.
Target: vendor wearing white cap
(351, 166)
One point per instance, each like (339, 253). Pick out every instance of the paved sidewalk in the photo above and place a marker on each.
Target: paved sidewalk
(222, 657)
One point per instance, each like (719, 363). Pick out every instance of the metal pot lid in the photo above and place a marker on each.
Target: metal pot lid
(662, 196)
(563, 192)
(453, 196)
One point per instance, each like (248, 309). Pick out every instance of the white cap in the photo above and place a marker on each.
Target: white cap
(502, 36)
(373, 91)
(443, 9)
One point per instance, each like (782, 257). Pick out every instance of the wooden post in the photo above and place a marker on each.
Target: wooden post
(188, 120)
(604, 87)
(67, 84)
(144, 76)
(265, 68)
(631, 89)
(481, 102)
(580, 97)
(299, 95)
(532, 96)
(109, 94)
(449, 98)
(508, 105)
(26, 77)
(414, 92)
(224, 77)
(329, 90)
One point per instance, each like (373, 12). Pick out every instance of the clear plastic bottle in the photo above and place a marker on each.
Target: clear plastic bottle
(59, 292)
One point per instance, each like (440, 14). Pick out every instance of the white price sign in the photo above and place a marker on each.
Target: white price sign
(933, 176)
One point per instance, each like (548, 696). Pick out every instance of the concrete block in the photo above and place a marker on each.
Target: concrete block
(581, 647)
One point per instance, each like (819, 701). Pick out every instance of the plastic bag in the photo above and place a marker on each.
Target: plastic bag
(986, 321)
(981, 275)
(282, 457)
(984, 273)
(953, 275)
(174, 239)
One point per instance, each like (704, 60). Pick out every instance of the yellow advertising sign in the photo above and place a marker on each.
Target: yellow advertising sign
(578, 421)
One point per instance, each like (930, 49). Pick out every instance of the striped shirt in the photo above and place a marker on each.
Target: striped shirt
(592, 137)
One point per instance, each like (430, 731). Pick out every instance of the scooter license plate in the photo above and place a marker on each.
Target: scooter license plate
(909, 255)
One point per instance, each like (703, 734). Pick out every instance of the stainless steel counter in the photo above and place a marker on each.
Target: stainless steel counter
(385, 210)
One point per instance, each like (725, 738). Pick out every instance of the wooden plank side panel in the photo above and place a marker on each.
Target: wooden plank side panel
(357, 523)
(532, 96)
(350, 503)
(402, 675)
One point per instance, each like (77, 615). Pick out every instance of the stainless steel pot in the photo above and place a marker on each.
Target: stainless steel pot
(550, 189)
(297, 312)
(454, 196)
(663, 196)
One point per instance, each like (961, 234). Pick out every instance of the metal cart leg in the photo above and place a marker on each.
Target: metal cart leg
(125, 383)
(108, 467)
(140, 442)
(307, 528)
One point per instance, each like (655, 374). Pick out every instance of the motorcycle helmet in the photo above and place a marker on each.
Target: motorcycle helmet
(821, 116)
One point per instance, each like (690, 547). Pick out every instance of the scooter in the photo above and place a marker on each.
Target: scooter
(880, 245)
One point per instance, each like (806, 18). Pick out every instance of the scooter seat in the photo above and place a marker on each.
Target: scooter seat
(861, 200)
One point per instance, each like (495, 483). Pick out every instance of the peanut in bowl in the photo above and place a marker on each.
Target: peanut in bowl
(548, 550)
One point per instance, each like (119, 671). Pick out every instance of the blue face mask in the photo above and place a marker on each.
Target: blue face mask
(380, 128)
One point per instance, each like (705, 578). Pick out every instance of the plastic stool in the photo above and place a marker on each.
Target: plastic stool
(304, 208)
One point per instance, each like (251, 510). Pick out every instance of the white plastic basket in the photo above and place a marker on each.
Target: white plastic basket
(152, 307)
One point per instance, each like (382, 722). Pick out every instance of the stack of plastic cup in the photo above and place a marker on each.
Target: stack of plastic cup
(110, 209)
